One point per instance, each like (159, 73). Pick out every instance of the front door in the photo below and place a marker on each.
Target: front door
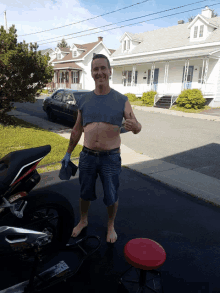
(188, 83)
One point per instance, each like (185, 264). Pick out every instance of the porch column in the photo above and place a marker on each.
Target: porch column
(205, 70)
(152, 75)
(166, 76)
(58, 74)
(70, 78)
(185, 73)
(133, 76)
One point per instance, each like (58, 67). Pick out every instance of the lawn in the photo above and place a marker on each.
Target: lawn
(175, 107)
(26, 135)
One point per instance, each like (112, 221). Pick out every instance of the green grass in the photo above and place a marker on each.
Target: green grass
(175, 107)
(26, 135)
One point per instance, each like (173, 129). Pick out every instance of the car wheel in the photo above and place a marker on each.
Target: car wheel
(51, 115)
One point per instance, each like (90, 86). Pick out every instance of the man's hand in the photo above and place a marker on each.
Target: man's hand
(130, 125)
(66, 159)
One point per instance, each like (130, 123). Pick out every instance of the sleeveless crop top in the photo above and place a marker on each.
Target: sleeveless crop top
(104, 108)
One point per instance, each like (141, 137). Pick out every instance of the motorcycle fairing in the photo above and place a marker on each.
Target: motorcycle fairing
(18, 163)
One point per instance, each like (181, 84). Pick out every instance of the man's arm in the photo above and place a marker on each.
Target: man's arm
(131, 123)
(75, 133)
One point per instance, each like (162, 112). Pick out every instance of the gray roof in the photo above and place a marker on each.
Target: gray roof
(45, 51)
(166, 38)
(195, 53)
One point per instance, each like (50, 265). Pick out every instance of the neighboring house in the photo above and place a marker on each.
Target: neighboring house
(51, 52)
(72, 66)
(168, 60)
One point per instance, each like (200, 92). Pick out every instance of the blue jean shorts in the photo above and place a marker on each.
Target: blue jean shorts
(105, 163)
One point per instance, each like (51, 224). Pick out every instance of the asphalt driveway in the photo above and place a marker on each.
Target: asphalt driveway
(187, 228)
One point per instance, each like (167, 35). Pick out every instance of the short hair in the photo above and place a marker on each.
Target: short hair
(97, 56)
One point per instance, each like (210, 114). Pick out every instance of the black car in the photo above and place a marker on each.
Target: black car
(63, 104)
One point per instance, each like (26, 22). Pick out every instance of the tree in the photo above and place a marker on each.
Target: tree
(24, 72)
(62, 44)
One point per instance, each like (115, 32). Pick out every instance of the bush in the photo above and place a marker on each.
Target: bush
(148, 98)
(131, 97)
(191, 99)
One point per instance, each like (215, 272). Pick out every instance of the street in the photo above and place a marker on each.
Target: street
(186, 142)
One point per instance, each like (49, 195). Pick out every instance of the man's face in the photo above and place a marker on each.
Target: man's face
(100, 72)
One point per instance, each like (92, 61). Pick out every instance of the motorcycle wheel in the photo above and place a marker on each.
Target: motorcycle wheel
(45, 210)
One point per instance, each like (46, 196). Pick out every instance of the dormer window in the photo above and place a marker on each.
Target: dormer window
(195, 31)
(74, 53)
(201, 31)
(124, 45)
(128, 48)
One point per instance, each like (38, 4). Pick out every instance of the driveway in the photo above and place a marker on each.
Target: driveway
(186, 227)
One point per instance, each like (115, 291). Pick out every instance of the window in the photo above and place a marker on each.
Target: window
(124, 45)
(195, 31)
(75, 76)
(148, 76)
(67, 76)
(128, 48)
(58, 56)
(74, 53)
(58, 96)
(94, 54)
(201, 31)
(67, 97)
(201, 77)
(127, 77)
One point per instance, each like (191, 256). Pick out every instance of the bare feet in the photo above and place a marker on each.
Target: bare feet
(111, 235)
(77, 230)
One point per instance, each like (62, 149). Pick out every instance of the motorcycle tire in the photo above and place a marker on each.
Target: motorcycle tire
(33, 217)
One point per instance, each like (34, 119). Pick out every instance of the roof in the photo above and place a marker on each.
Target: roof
(168, 38)
(183, 54)
(67, 65)
(65, 49)
(87, 47)
(45, 51)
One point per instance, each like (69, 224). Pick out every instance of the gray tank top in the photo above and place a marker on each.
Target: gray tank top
(104, 108)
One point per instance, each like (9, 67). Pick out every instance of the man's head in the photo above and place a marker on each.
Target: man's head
(100, 70)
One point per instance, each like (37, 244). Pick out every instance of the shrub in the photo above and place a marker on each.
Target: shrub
(191, 99)
(131, 97)
(148, 98)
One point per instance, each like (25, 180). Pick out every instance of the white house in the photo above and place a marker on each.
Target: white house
(171, 59)
(72, 66)
(51, 52)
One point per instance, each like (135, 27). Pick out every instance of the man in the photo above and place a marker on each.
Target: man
(100, 115)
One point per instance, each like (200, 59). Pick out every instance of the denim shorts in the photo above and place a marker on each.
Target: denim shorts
(108, 166)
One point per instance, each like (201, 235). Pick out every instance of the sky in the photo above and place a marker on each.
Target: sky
(32, 17)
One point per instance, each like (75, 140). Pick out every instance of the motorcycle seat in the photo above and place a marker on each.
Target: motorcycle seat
(17, 163)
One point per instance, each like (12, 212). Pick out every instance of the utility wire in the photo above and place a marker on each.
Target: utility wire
(130, 24)
(123, 21)
(86, 19)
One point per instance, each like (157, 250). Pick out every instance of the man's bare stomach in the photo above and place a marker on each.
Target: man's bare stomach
(101, 136)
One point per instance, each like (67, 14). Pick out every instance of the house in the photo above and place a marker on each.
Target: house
(51, 52)
(168, 60)
(72, 66)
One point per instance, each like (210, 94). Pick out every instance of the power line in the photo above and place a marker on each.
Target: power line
(86, 19)
(123, 21)
(131, 24)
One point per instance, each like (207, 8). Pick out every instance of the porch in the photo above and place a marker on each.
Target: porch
(168, 78)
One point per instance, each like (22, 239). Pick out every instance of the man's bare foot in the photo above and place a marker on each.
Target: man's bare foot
(111, 235)
(77, 230)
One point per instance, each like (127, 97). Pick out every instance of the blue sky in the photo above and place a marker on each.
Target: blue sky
(35, 16)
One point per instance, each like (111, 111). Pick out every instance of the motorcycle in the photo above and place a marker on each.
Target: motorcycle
(35, 225)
